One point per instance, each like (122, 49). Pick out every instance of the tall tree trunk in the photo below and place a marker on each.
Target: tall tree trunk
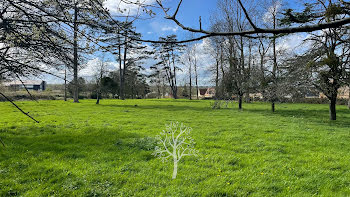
(158, 86)
(332, 108)
(65, 83)
(120, 60)
(122, 84)
(196, 75)
(242, 73)
(223, 95)
(75, 54)
(273, 91)
(217, 79)
(163, 89)
(120, 73)
(190, 72)
(175, 84)
(248, 72)
(262, 74)
(274, 69)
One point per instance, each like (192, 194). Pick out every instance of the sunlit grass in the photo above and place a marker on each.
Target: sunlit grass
(85, 149)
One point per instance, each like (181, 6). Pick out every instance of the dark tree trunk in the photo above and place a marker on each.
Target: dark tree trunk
(65, 84)
(240, 100)
(163, 88)
(99, 86)
(98, 98)
(122, 85)
(195, 70)
(75, 60)
(190, 72)
(132, 92)
(175, 92)
(175, 84)
(121, 81)
(332, 108)
(158, 88)
(274, 69)
(217, 80)
(248, 100)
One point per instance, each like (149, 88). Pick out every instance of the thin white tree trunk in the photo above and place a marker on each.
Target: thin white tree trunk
(175, 169)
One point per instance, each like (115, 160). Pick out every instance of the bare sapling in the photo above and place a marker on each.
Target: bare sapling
(175, 142)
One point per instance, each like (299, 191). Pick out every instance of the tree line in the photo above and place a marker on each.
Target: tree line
(244, 37)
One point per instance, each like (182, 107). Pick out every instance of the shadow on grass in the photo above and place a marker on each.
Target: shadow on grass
(177, 101)
(316, 116)
(75, 162)
(74, 145)
(162, 107)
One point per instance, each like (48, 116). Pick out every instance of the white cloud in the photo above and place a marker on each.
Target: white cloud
(92, 66)
(268, 16)
(293, 44)
(205, 61)
(121, 8)
(168, 28)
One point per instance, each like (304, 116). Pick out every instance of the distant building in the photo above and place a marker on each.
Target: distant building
(37, 85)
(343, 93)
(206, 92)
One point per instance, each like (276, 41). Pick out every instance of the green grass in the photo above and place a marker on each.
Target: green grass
(99, 150)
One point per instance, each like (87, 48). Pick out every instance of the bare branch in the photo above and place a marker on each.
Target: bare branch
(27, 114)
(248, 33)
(2, 142)
(25, 87)
(247, 15)
(177, 9)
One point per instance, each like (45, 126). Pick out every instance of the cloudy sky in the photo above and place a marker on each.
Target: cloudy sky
(152, 29)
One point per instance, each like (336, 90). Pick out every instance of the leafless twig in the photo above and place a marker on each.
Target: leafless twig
(256, 30)
(14, 104)
(25, 87)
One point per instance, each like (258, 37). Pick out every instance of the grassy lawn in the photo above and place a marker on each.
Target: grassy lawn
(99, 150)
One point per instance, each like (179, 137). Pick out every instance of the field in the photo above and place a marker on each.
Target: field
(106, 150)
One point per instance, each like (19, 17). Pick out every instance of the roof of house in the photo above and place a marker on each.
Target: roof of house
(26, 82)
(202, 91)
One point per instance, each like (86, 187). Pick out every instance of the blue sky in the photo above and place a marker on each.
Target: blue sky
(158, 26)
(154, 28)
(189, 15)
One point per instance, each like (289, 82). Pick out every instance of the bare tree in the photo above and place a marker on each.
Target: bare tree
(101, 71)
(235, 48)
(188, 60)
(194, 54)
(273, 12)
(175, 141)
